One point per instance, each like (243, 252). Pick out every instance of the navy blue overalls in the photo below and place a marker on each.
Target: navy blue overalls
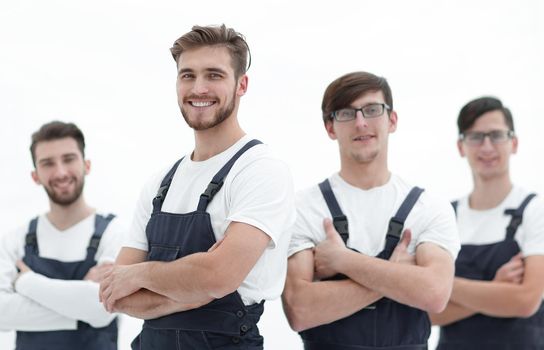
(85, 337)
(224, 323)
(385, 324)
(481, 332)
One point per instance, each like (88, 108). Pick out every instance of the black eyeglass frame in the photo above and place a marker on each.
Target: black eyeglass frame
(510, 134)
(385, 107)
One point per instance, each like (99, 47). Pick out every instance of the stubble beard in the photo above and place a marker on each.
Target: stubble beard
(219, 117)
(65, 201)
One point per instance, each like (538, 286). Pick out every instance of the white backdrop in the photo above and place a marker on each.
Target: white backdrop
(105, 65)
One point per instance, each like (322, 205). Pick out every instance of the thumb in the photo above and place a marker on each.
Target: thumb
(330, 231)
(406, 238)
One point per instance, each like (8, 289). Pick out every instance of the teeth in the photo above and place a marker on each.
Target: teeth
(201, 103)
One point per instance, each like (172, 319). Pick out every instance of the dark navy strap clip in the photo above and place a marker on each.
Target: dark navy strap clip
(212, 189)
(95, 241)
(31, 239)
(341, 225)
(395, 228)
(161, 193)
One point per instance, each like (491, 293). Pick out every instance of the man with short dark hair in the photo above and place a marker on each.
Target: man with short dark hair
(50, 269)
(496, 301)
(208, 244)
(355, 280)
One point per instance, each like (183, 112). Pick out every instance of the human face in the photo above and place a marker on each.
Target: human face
(61, 169)
(489, 160)
(208, 92)
(364, 140)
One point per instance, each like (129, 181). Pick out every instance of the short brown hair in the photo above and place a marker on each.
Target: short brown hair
(346, 89)
(215, 36)
(57, 130)
(476, 108)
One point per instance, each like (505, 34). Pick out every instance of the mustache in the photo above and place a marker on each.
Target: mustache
(200, 97)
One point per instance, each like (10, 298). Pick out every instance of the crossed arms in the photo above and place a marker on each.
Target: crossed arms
(516, 291)
(153, 289)
(423, 281)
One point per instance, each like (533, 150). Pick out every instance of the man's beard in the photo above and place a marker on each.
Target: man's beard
(219, 117)
(63, 200)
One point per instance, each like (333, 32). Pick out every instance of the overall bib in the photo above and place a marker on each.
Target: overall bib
(385, 324)
(480, 332)
(224, 323)
(85, 337)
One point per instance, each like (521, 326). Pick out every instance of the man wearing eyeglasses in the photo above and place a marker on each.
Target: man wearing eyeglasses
(497, 292)
(370, 254)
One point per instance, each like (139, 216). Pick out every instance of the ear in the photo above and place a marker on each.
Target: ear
(242, 85)
(35, 178)
(460, 148)
(329, 126)
(87, 166)
(514, 145)
(393, 119)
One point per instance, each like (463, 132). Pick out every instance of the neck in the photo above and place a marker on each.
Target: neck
(211, 142)
(489, 193)
(365, 176)
(63, 217)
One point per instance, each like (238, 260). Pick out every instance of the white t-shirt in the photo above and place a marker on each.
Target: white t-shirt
(257, 191)
(368, 212)
(39, 303)
(489, 226)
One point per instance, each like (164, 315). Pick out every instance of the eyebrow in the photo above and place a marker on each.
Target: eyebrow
(209, 70)
(64, 155)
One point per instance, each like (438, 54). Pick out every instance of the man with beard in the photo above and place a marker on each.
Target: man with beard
(208, 243)
(50, 269)
(355, 280)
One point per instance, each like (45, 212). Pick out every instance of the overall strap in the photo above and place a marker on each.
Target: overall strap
(396, 224)
(217, 181)
(31, 238)
(163, 189)
(100, 225)
(454, 204)
(339, 220)
(517, 216)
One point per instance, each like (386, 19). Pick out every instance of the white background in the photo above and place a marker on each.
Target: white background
(105, 65)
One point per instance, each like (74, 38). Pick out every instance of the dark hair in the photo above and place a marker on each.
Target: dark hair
(57, 130)
(346, 89)
(476, 108)
(215, 36)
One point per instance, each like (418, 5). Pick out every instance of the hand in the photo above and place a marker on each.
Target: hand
(23, 268)
(216, 244)
(97, 272)
(326, 252)
(512, 271)
(118, 282)
(400, 253)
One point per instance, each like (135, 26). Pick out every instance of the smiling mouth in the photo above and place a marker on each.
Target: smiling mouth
(363, 138)
(201, 104)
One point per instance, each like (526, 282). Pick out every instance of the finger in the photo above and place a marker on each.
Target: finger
(330, 231)
(518, 256)
(406, 238)
(20, 264)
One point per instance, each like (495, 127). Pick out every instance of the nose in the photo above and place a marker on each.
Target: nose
(201, 86)
(360, 120)
(486, 143)
(61, 171)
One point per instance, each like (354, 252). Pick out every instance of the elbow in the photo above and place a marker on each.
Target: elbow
(529, 308)
(295, 312)
(436, 299)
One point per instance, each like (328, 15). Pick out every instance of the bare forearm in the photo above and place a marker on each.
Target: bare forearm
(310, 304)
(453, 313)
(189, 280)
(418, 286)
(146, 305)
(495, 298)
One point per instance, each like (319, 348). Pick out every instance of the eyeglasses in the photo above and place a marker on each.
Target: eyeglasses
(476, 138)
(372, 110)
